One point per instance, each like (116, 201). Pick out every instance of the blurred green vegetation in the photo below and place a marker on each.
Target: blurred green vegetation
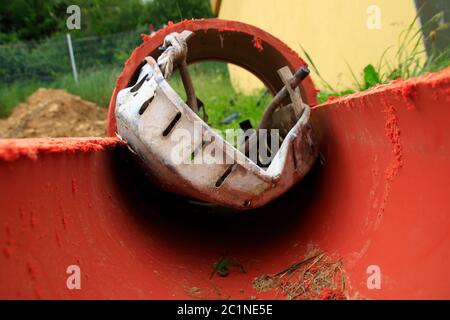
(36, 19)
(211, 81)
(95, 86)
(48, 59)
(11, 95)
(33, 52)
(32, 33)
(33, 47)
(214, 88)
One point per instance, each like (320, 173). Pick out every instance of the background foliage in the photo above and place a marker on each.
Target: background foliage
(37, 19)
(32, 36)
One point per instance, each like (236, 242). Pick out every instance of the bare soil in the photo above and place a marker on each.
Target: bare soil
(54, 113)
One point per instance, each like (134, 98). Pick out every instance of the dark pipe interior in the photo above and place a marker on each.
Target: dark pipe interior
(169, 215)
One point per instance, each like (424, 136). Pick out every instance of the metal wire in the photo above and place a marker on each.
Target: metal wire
(47, 60)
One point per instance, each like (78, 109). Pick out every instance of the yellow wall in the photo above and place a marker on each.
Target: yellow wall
(331, 31)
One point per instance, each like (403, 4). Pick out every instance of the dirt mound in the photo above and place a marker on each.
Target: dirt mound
(54, 113)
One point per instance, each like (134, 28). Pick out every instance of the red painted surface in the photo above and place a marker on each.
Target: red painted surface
(379, 198)
(13, 149)
(218, 39)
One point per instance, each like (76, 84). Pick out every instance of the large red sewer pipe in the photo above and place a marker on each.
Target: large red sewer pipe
(378, 197)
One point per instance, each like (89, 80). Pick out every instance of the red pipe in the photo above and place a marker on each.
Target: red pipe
(378, 197)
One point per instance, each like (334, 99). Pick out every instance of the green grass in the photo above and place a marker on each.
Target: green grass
(95, 86)
(408, 61)
(213, 87)
(211, 81)
(12, 95)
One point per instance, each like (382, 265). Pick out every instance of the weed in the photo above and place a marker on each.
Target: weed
(224, 266)
(409, 60)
